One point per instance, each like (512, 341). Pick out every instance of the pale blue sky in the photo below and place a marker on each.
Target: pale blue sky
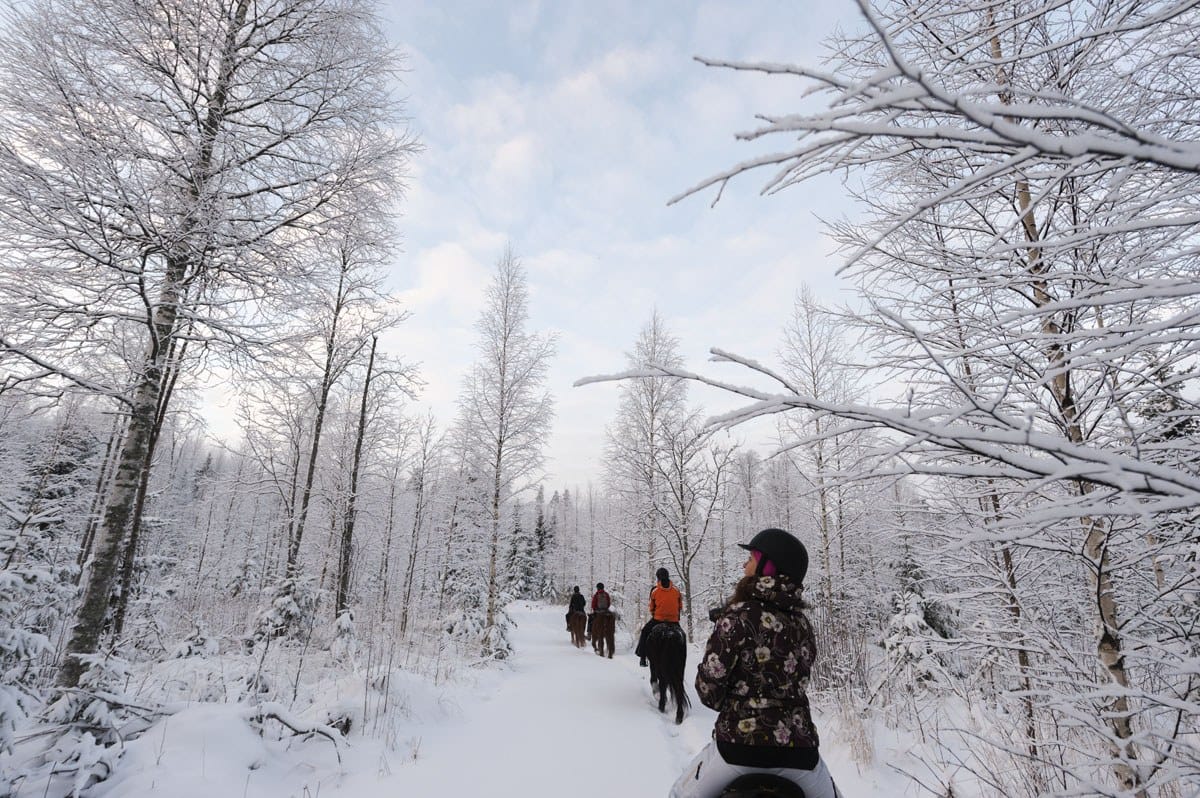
(564, 128)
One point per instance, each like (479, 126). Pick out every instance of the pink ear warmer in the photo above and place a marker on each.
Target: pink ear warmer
(767, 568)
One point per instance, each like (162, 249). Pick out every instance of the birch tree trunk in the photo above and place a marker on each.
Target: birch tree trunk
(102, 570)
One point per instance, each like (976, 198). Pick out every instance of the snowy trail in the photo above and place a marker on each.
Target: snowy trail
(561, 721)
(553, 721)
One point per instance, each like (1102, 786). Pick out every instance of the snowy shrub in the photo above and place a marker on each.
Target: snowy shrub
(95, 721)
(197, 644)
(19, 647)
(243, 577)
(909, 638)
(291, 612)
(345, 643)
(496, 644)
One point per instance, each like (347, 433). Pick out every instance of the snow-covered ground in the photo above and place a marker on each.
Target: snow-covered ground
(554, 720)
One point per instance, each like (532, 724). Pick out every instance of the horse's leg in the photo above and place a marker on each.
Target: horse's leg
(679, 665)
(656, 677)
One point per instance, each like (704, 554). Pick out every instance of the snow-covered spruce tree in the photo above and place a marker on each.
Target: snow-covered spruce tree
(545, 541)
(164, 162)
(46, 469)
(562, 511)
(521, 562)
(1029, 255)
(461, 543)
(916, 621)
(506, 408)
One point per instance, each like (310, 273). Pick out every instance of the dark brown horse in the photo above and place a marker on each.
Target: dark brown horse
(604, 630)
(761, 785)
(577, 622)
(666, 648)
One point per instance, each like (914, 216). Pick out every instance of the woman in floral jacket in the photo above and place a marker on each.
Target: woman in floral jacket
(754, 673)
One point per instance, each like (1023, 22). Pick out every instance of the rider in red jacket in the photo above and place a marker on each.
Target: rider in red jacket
(601, 602)
(600, 599)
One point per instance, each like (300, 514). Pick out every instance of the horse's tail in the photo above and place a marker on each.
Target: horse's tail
(677, 663)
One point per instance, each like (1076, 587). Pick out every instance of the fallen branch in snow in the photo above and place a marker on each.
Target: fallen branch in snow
(276, 712)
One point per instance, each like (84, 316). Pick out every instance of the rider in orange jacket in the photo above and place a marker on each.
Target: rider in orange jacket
(665, 604)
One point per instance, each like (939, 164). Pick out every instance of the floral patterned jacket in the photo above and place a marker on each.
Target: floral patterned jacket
(756, 666)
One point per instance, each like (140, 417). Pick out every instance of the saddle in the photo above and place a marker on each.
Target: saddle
(761, 785)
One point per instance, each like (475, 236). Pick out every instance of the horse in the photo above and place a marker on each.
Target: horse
(761, 785)
(604, 630)
(577, 622)
(666, 649)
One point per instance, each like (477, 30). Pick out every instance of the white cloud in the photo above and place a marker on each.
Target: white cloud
(449, 286)
(564, 128)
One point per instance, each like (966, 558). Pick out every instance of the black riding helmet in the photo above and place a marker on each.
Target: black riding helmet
(783, 549)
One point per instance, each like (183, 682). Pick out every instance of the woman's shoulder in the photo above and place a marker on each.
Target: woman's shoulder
(747, 608)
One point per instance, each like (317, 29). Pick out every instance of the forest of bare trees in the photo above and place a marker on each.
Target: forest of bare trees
(990, 451)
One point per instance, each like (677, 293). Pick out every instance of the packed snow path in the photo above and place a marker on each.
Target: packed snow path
(563, 722)
(552, 721)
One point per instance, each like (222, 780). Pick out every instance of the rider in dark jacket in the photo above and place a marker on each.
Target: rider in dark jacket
(578, 602)
(754, 672)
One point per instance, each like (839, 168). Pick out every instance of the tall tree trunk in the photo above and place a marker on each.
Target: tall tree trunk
(296, 535)
(493, 548)
(89, 619)
(386, 559)
(413, 548)
(112, 451)
(343, 589)
(129, 555)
